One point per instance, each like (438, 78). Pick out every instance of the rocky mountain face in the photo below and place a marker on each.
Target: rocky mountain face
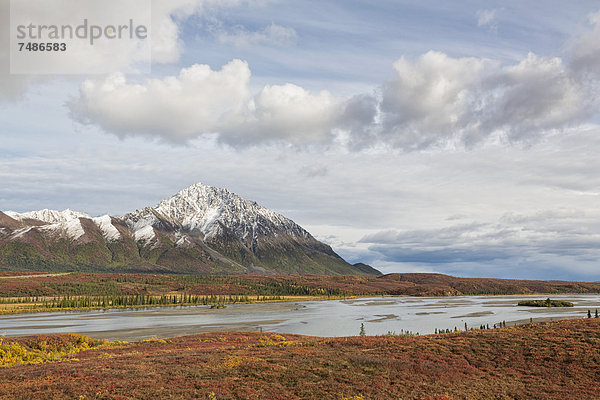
(201, 229)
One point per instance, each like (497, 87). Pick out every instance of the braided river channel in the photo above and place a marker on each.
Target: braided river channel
(380, 315)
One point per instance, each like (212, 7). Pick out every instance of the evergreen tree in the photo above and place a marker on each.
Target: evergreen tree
(362, 330)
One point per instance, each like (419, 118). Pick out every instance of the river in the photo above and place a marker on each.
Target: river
(379, 315)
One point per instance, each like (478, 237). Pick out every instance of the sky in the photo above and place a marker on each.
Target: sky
(416, 136)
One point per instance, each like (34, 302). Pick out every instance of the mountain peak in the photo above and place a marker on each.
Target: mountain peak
(49, 216)
(209, 210)
(199, 229)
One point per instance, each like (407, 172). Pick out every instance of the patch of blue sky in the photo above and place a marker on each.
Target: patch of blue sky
(351, 45)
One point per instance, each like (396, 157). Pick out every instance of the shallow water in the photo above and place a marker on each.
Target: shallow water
(320, 318)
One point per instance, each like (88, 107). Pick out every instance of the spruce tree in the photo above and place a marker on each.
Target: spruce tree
(362, 330)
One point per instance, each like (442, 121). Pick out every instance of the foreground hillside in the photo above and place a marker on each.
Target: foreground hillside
(199, 230)
(557, 360)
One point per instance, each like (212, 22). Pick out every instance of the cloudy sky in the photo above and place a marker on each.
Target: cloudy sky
(456, 137)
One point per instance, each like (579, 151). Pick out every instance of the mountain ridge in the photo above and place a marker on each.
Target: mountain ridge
(200, 229)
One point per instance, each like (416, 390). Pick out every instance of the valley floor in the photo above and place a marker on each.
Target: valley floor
(550, 360)
(26, 292)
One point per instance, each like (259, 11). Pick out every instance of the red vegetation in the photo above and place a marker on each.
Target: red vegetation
(392, 284)
(557, 360)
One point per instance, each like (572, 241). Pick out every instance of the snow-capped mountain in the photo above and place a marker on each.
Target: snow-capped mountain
(212, 212)
(67, 222)
(201, 229)
(50, 216)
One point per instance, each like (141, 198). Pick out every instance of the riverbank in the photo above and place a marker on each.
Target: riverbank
(221, 301)
(423, 315)
(29, 292)
(556, 360)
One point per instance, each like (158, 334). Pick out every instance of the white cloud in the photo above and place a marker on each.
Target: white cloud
(292, 113)
(536, 95)
(430, 99)
(434, 100)
(439, 100)
(178, 108)
(201, 101)
(487, 18)
(273, 34)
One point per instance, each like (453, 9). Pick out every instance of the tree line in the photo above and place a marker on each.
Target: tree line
(136, 300)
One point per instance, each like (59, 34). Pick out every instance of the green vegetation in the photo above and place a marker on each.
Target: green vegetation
(225, 255)
(86, 290)
(362, 330)
(545, 303)
(82, 302)
(79, 284)
(83, 290)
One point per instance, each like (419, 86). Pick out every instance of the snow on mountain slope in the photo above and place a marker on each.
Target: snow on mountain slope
(207, 209)
(199, 208)
(145, 233)
(72, 228)
(66, 222)
(20, 232)
(200, 229)
(108, 229)
(49, 216)
(142, 222)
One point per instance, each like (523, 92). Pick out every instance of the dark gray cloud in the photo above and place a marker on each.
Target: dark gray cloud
(442, 256)
(541, 241)
(358, 120)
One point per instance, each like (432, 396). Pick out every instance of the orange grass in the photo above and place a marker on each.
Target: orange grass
(554, 360)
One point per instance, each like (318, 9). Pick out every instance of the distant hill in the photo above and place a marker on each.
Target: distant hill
(199, 230)
(426, 284)
(96, 284)
(439, 284)
(367, 269)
